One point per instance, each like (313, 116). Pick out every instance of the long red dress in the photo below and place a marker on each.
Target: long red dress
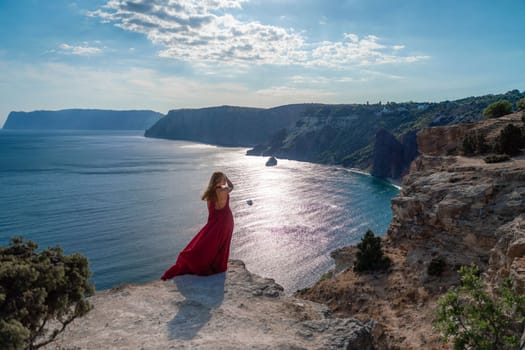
(208, 251)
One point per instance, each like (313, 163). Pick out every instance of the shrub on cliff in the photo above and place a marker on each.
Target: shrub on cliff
(497, 109)
(38, 289)
(510, 140)
(496, 158)
(369, 255)
(475, 319)
(521, 104)
(474, 143)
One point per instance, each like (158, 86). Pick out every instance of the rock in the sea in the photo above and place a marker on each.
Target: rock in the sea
(232, 310)
(271, 161)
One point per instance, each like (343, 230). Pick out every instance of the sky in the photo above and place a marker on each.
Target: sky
(170, 54)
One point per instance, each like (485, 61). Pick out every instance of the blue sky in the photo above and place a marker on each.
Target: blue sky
(168, 54)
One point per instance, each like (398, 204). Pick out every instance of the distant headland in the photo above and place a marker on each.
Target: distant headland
(82, 119)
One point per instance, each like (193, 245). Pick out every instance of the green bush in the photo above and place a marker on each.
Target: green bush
(475, 319)
(436, 266)
(370, 256)
(474, 143)
(39, 288)
(497, 109)
(496, 158)
(510, 140)
(521, 104)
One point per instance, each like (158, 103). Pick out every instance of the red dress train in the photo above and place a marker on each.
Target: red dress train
(208, 251)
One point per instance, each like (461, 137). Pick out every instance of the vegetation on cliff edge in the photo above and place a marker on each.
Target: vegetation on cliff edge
(370, 256)
(40, 293)
(497, 109)
(475, 319)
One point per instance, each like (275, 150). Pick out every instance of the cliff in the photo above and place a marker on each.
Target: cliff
(233, 310)
(82, 119)
(457, 208)
(226, 125)
(347, 134)
(342, 134)
(392, 157)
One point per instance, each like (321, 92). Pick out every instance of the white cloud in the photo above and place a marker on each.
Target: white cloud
(79, 50)
(204, 32)
(360, 52)
(321, 80)
(59, 86)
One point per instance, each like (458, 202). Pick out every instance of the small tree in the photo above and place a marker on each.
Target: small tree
(497, 109)
(510, 140)
(474, 319)
(521, 104)
(37, 289)
(370, 256)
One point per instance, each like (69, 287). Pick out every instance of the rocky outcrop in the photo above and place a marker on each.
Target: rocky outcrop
(507, 258)
(451, 207)
(233, 310)
(271, 161)
(392, 158)
(388, 155)
(82, 119)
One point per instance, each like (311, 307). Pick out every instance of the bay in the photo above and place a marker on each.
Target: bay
(131, 203)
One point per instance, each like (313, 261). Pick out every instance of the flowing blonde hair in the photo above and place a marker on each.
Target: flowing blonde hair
(210, 194)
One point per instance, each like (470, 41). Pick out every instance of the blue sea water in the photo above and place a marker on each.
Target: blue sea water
(130, 204)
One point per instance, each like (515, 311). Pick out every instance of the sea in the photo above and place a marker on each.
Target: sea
(131, 203)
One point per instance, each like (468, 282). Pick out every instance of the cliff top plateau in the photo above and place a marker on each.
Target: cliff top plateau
(233, 310)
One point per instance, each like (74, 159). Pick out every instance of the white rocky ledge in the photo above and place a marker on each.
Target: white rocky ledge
(233, 310)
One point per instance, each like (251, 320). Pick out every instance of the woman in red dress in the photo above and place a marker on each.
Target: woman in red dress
(208, 251)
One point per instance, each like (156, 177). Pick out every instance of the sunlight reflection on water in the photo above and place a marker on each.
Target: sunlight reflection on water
(300, 213)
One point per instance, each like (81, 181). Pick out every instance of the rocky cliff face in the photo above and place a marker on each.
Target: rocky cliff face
(392, 158)
(82, 119)
(454, 207)
(345, 134)
(330, 134)
(235, 310)
(477, 208)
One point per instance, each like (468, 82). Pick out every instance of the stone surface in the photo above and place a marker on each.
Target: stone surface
(233, 310)
(509, 250)
(392, 157)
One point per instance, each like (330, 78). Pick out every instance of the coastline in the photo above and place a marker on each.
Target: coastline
(391, 181)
